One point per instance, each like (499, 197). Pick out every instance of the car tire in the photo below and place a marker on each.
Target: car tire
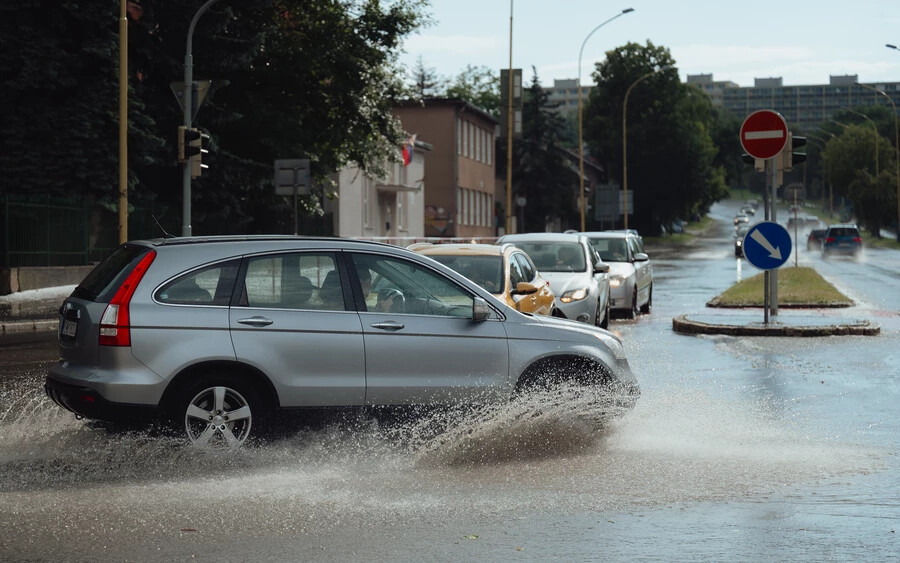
(220, 411)
(633, 310)
(645, 308)
(604, 322)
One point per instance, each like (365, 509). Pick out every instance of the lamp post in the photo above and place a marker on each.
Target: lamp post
(896, 148)
(625, 139)
(825, 168)
(875, 129)
(123, 122)
(581, 202)
(188, 116)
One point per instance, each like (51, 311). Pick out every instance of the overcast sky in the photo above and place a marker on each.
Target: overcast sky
(801, 41)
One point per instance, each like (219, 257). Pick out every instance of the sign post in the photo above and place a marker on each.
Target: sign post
(292, 178)
(764, 135)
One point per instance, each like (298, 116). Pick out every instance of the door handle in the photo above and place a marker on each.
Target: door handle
(256, 321)
(388, 325)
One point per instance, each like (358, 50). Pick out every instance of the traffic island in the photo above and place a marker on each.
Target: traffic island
(747, 323)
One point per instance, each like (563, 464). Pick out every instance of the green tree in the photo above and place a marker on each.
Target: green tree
(426, 81)
(291, 79)
(478, 85)
(671, 154)
(850, 167)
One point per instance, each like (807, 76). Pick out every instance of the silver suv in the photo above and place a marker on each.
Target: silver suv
(217, 334)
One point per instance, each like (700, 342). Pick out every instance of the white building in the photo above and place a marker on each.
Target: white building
(394, 208)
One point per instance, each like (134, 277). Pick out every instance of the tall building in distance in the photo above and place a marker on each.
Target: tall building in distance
(803, 106)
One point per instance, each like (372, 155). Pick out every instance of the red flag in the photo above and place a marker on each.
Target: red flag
(408, 148)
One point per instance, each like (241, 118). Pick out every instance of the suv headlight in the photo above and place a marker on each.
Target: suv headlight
(616, 281)
(574, 295)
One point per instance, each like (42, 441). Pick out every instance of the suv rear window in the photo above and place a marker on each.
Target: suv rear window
(843, 232)
(103, 281)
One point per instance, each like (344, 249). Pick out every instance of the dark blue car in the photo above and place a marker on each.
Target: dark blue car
(842, 239)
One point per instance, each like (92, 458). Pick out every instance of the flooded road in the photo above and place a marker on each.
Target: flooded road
(739, 448)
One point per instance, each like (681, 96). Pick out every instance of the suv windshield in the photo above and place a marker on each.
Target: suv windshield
(843, 232)
(105, 279)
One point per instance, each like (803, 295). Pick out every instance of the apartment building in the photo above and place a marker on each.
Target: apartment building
(459, 170)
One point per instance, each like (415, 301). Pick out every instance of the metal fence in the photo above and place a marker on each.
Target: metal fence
(42, 231)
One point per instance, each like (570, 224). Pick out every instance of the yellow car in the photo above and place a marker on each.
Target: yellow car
(505, 271)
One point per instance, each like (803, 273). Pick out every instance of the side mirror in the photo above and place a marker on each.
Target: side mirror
(601, 268)
(525, 288)
(640, 257)
(481, 311)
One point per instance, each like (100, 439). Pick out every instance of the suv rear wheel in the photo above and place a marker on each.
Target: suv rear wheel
(218, 411)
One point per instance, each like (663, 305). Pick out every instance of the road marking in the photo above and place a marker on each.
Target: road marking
(773, 251)
(751, 135)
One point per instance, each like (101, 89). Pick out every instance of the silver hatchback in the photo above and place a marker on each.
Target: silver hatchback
(218, 334)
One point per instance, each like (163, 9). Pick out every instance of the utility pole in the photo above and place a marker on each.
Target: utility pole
(123, 121)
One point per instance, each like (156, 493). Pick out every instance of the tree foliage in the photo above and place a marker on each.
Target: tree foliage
(850, 166)
(478, 85)
(672, 165)
(291, 79)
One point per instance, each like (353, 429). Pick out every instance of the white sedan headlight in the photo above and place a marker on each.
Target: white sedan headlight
(574, 295)
(616, 281)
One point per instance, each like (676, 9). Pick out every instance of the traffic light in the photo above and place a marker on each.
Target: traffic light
(788, 156)
(190, 148)
(758, 164)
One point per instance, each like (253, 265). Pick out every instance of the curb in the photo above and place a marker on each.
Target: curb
(23, 327)
(684, 325)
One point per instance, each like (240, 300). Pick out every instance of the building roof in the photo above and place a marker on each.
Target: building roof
(455, 102)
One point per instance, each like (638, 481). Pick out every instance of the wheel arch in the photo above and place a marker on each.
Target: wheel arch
(261, 383)
(553, 369)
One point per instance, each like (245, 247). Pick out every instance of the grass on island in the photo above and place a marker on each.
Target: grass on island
(796, 286)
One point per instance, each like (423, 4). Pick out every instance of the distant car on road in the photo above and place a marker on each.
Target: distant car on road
(740, 231)
(842, 239)
(815, 239)
(630, 271)
(577, 275)
(506, 271)
(748, 210)
(738, 219)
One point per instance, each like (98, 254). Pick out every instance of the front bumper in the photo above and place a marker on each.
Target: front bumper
(581, 311)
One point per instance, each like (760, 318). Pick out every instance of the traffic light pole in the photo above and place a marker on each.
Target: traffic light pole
(188, 116)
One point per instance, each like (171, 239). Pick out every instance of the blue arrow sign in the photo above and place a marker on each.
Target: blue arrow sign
(767, 245)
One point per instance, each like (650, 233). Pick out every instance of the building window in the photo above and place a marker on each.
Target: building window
(402, 217)
(466, 139)
(459, 205)
(367, 212)
(458, 136)
(490, 150)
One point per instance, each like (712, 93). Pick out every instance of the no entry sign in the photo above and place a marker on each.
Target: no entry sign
(764, 134)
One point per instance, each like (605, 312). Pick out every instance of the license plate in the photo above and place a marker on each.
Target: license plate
(69, 328)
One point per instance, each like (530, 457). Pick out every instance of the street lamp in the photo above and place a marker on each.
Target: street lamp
(896, 148)
(875, 129)
(625, 139)
(581, 202)
(186, 103)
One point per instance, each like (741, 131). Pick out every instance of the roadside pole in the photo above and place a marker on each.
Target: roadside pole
(773, 292)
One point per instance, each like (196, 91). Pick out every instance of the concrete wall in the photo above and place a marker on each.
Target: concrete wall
(13, 280)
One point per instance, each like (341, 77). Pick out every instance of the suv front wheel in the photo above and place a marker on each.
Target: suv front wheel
(218, 412)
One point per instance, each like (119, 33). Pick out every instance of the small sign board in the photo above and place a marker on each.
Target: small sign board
(199, 90)
(764, 134)
(767, 245)
(292, 174)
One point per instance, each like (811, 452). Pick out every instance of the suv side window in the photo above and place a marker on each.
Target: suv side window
(211, 285)
(635, 246)
(308, 281)
(398, 286)
(515, 273)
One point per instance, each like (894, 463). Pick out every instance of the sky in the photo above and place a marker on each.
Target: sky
(802, 41)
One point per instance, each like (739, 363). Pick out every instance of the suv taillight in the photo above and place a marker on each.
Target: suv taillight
(115, 327)
(857, 239)
(829, 239)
